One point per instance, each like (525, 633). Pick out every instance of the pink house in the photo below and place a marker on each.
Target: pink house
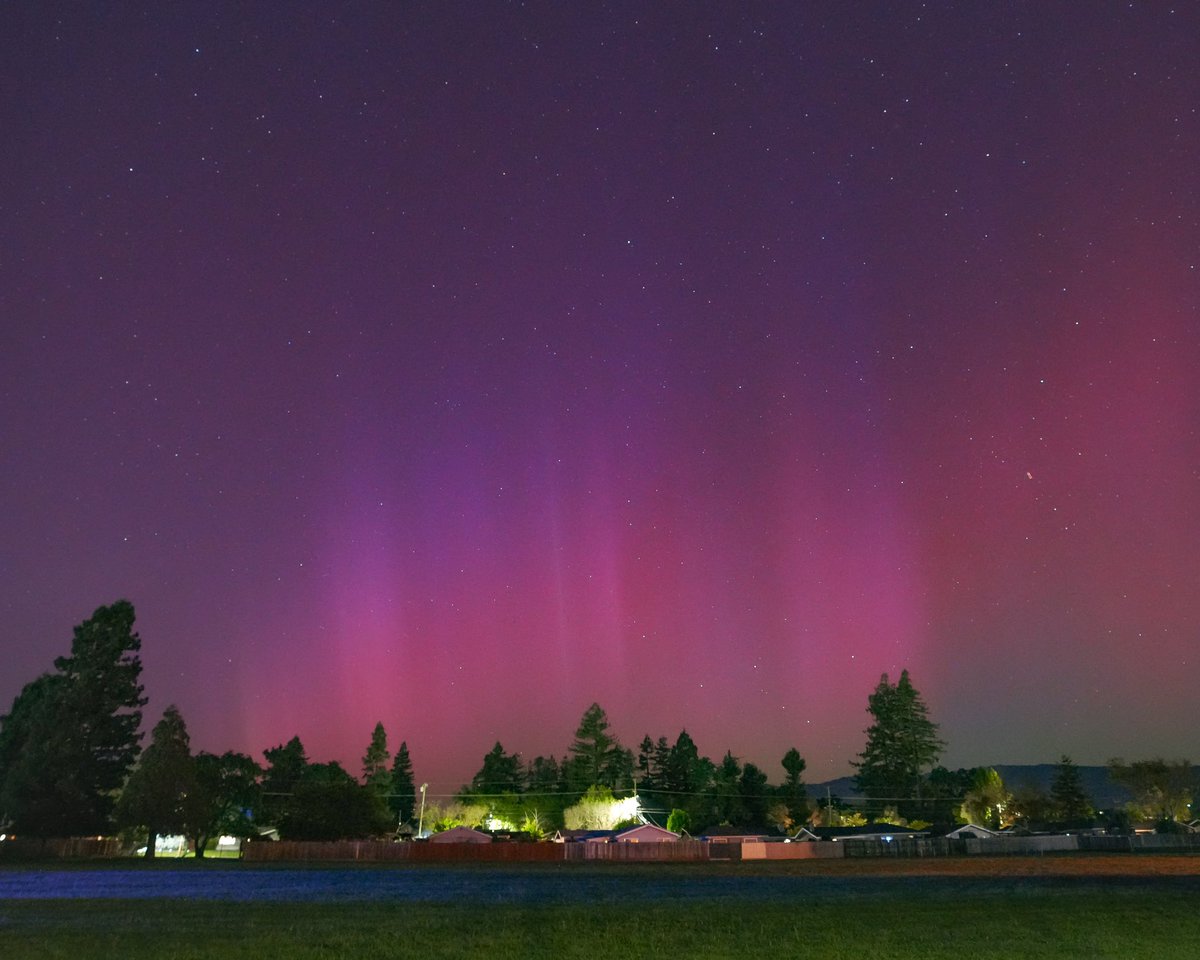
(460, 835)
(646, 833)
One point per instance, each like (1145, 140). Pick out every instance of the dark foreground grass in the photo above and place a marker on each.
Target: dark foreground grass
(1047, 924)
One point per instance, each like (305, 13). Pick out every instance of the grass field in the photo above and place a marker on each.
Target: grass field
(1149, 913)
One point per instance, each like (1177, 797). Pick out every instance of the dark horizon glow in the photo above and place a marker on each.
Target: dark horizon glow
(460, 369)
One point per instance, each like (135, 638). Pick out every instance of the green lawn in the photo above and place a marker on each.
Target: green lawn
(1118, 924)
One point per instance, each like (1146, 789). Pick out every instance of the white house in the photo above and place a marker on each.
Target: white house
(972, 831)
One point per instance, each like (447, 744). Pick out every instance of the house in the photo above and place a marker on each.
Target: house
(645, 833)
(972, 831)
(583, 836)
(460, 835)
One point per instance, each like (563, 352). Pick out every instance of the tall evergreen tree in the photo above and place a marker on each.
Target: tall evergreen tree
(596, 756)
(376, 774)
(685, 771)
(727, 797)
(901, 743)
(287, 765)
(545, 791)
(156, 795)
(793, 791)
(34, 763)
(660, 759)
(501, 773)
(753, 792)
(1068, 798)
(644, 767)
(687, 778)
(544, 776)
(68, 742)
(403, 796)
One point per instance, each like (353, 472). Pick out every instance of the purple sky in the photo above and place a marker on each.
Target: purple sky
(457, 365)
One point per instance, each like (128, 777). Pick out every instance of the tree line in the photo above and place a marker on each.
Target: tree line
(671, 779)
(71, 764)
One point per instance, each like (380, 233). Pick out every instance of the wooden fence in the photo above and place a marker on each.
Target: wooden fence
(380, 851)
(899, 847)
(792, 851)
(668, 851)
(387, 851)
(64, 848)
(1143, 842)
(1022, 846)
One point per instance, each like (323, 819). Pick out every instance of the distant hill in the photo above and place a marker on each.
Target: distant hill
(841, 787)
(1096, 782)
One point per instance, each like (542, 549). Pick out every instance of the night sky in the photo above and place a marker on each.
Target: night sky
(458, 365)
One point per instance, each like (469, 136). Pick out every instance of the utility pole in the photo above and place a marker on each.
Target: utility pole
(421, 819)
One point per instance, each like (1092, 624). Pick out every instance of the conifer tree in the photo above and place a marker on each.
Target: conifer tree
(901, 743)
(596, 756)
(71, 736)
(403, 796)
(156, 795)
(376, 774)
(1069, 799)
(793, 791)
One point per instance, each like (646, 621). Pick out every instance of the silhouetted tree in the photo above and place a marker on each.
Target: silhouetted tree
(596, 757)
(685, 772)
(403, 797)
(1162, 789)
(1069, 799)
(329, 804)
(688, 779)
(286, 767)
(500, 773)
(754, 796)
(376, 774)
(156, 795)
(68, 742)
(546, 794)
(726, 805)
(793, 791)
(901, 743)
(644, 765)
(226, 799)
(1031, 807)
(944, 793)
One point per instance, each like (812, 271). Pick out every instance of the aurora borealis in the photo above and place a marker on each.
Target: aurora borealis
(458, 365)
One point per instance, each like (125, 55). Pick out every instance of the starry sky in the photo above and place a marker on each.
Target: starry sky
(456, 365)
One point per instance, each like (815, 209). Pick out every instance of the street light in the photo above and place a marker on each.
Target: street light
(421, 819)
